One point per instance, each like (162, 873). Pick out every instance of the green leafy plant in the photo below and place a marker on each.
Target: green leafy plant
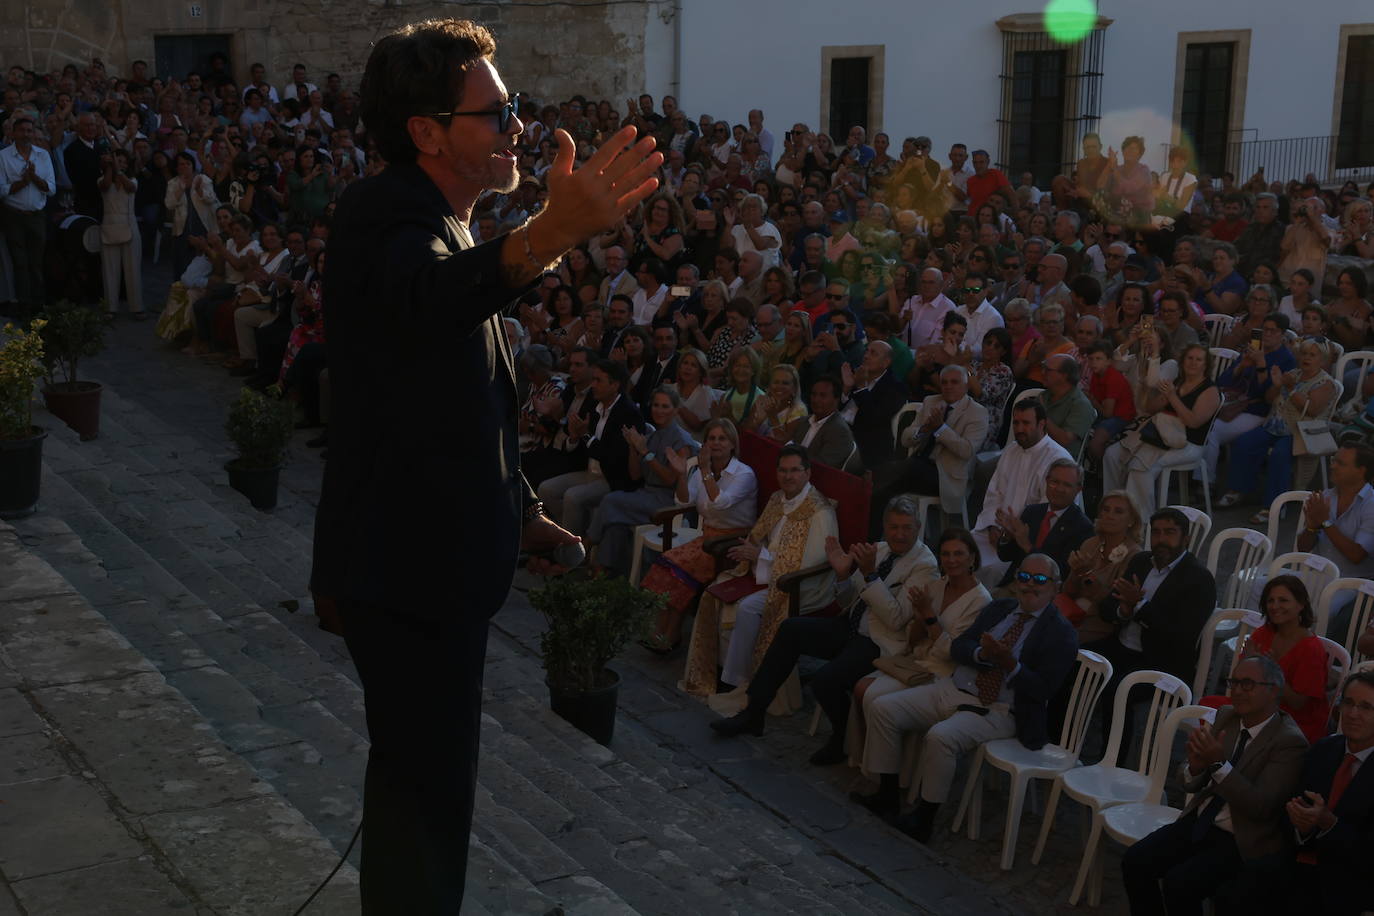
(260, 428)
(21, 362)
(72, 332)
(591, 620)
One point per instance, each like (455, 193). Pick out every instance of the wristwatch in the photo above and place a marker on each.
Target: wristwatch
(648, 456)
(1326, 523)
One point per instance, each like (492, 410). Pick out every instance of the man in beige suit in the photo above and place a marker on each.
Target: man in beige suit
(940, 446)
(619, 281)
(1241, 772)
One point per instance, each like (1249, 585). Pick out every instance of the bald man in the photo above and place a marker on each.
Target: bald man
(924, 313)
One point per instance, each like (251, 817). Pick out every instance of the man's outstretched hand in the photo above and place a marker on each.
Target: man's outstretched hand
(615, 180)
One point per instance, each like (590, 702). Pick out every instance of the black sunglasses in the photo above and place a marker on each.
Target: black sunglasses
(836, 297)
(503, 114)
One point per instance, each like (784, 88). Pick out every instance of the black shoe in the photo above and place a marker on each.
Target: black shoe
(920, 823)
(739, 724)
(879, 803)
(829, 755)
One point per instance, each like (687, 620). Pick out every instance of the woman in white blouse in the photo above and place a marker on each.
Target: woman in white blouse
(725, 493)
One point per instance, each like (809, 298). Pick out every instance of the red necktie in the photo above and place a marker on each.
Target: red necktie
(1340, 781)
(1045, 525)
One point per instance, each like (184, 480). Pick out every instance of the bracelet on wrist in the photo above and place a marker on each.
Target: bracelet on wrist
(533, 511)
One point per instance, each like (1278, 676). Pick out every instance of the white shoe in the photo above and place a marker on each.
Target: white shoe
(1229, 500)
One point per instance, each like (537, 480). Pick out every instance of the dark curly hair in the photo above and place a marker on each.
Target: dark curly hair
(418, 70)
(1299, 592)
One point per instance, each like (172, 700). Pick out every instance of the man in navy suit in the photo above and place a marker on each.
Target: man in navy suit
(1055, 528)
(424, 508)
(1009, 664)
(1333, 812)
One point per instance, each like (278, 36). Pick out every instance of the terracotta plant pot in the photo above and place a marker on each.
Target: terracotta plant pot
(77, 404)
(21, 472)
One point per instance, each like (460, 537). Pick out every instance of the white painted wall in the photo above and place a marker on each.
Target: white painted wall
(943, 62)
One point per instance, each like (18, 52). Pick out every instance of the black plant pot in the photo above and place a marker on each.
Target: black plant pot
(21, 472)
(258, 484)
(592, 712)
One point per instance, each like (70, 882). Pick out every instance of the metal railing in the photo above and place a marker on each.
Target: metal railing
(1294, 158)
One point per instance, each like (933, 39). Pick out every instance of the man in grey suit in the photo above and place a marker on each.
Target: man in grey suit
(940, 446)
(1241, 772)
(825, 435)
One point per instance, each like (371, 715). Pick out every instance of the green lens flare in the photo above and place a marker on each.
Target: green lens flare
(1069, 21)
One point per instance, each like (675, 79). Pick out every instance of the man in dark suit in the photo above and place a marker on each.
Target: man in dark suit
(1333, 812)
(661, 370)
(873, 397)
(1159, 606)
(619, 317)
(1055, 528)
(1009, 664)
(824, 434)
(424, 508)
(83, 167)
(1231, 834)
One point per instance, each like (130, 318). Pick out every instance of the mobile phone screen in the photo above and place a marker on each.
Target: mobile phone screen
(1256, 339)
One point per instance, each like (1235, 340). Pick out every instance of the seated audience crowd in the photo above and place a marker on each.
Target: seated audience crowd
(797, 352)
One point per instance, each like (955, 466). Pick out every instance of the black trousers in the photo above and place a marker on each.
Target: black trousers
(422, 686)
(850, 658)
(1167, 872)
(304, 373)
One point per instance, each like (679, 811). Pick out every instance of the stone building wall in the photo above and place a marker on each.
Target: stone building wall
(549, 50)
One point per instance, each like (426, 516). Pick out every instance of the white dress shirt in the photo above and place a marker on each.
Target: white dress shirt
(29, 198)
(926, 323)
(646, 306)
(815, 427)
(981, 320)
(736, 502)
(1019, 480)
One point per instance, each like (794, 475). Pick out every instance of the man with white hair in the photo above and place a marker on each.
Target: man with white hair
(924, 313)
(873, 395)
(1050, 288)
(1113, 274)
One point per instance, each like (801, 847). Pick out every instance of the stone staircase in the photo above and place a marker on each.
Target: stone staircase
(142, 523)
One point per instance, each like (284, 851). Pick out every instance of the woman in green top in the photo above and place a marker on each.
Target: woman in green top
(310, 185)
(740, 391)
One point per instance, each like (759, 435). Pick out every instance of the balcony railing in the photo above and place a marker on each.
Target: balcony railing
(1297, 157)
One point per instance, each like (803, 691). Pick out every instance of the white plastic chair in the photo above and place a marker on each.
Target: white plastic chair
(650, 537)
(1360, 615)
(910, 410)
(1023, 765)
(1218, 325)
(1253, 554)
(1241, 621)
(1027, 393)
(1223, 358)
(1337, 666)
(1133, 821)
(1166, 475)
(1105, 784)
(1277, 508)
(1363, 358)
(1316, 572)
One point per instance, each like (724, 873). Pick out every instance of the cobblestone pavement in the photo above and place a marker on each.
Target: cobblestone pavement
(142, 526)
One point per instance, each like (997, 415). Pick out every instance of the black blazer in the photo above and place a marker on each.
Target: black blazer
(422, 497)
(83, 170)
(1344, 882)
(1173, 621)
(651, 378)
(872, 424)
(611, 450)
(1067, 534)
(1047, 659)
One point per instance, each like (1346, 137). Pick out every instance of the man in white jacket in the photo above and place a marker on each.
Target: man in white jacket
(874, 623)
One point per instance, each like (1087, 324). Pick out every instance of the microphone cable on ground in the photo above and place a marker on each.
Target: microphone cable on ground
(342, 860)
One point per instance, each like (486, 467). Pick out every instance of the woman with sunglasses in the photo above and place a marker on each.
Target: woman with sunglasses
(1286, 637)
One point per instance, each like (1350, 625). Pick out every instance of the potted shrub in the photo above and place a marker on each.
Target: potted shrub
(21, 443)
(71, 333)
(590, 621)
(260, 427)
